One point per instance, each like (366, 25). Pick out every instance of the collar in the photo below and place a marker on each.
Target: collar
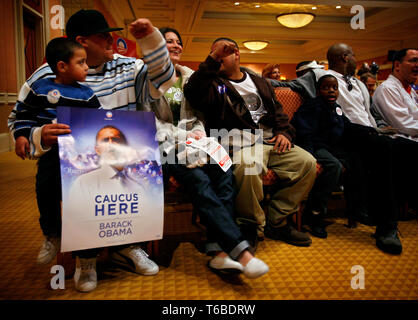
(393, 78)
(109, 172)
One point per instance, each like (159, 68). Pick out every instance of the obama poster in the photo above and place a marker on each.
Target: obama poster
(111, 176)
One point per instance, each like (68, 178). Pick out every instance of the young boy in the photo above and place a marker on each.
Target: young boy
(37, 107)
(321, 129)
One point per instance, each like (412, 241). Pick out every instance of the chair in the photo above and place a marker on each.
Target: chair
(290, 102)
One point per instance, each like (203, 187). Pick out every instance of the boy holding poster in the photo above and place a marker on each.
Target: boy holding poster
(133, 83)
(67, 60)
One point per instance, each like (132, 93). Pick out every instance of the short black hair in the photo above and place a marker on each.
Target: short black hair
(226, 39)
(60, 49)
(321, 79)
(164, 30)
(122, 135)
(399, 55)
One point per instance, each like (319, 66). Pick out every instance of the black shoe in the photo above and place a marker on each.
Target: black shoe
(317, 226)
(389, 242)
(288, 234)
(319, 232)
(364, 218)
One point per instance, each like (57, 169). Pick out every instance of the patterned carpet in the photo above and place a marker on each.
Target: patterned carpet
(322, 271)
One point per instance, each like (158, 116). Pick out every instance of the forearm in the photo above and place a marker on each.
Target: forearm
(160, 71)
(198, 89)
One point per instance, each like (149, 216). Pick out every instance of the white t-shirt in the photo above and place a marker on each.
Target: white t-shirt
(248, 91)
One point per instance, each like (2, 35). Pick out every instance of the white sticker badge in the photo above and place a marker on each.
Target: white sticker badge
(53, 96)
(339, 111)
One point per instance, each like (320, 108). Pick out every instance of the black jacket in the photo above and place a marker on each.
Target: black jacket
(224, 108)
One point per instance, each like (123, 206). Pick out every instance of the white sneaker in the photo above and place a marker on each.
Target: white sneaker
(49, 250)
(136, 259)
(85, 276)
(255, 268)
(225, 264)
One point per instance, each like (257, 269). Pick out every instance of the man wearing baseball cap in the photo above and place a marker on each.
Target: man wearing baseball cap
(120, 83)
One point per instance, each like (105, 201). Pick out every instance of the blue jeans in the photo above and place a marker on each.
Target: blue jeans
(212, 194)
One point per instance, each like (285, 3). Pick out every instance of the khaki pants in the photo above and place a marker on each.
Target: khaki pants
(296, 171)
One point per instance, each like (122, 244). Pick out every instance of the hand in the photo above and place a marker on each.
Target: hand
(141, 28)
(196, 134)
(50, 133)
(282, 143)
(222, 49)
(22, 147)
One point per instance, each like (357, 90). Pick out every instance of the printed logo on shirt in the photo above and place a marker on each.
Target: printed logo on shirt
(339, 111)
(53, 96)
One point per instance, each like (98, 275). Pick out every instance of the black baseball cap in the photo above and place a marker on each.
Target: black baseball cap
(86, 23)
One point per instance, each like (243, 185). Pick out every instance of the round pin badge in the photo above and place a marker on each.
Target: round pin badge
(53, 96)
(339, 111)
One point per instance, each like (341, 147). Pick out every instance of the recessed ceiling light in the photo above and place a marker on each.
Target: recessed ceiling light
(236, 3)
(257, 6)
(314, 8)
(338, 7)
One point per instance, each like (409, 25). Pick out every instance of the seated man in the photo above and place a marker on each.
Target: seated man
(232, 99)
(395, 100)
(397, 103)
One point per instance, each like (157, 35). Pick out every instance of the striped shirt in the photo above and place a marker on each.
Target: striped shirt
(121, 83)
(40, 104)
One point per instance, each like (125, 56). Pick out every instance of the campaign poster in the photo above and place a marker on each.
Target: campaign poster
(124, 46)
(111, 176)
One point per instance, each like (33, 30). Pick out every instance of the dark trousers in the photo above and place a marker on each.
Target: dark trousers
(212, 194)
(377, 154)
(332, 175)
(326, 182)
(48, 193)
(406, 171)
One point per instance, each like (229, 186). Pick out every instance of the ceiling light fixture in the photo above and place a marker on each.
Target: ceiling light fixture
(314, 8)
(338, 7)
(236, 3)
(295, 19)
(255, 45)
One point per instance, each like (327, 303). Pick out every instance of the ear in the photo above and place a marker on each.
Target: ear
(397, 64)
(237, 56)
(61, 66)
(97, 149)
(81, 40)
(345, 57)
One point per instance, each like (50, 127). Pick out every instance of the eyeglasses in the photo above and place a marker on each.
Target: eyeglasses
(347, 80)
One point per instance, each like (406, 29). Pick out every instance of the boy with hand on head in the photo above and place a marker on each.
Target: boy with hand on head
(38, 107)
(321, 129)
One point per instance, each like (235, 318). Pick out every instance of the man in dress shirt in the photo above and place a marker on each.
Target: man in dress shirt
(395, 100)
(397, 103)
